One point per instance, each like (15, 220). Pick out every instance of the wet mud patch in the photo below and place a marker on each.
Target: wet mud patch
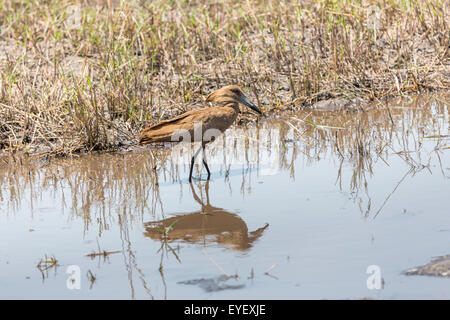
(439, 267)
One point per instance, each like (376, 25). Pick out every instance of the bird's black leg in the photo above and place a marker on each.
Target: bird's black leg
(204, 162)
(192, 163)
(190, 170)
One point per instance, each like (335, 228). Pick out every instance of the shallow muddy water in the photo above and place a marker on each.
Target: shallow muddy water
(315, 205)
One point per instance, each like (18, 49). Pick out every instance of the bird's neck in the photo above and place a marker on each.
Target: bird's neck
(227, 102)
(233, 105)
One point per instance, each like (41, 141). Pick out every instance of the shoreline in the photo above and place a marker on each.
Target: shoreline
(95, 85)
(244, 120)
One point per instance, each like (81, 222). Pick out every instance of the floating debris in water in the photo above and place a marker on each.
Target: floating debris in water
(47, 263)
(214, 284)
(102, 253)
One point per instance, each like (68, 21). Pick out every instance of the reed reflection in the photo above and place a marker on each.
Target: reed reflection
(95, 187)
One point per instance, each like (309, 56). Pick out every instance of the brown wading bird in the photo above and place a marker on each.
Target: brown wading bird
(218, 118)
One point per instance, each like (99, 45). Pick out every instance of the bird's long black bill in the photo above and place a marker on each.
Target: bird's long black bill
(246, 102)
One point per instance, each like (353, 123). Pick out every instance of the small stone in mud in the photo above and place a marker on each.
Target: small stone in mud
(440, 267)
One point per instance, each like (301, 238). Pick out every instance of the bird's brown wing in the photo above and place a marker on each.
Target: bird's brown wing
(166, 131)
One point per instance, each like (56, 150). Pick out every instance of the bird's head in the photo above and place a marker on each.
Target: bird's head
(231, 94)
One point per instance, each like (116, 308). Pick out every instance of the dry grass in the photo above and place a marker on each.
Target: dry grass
(68, 87)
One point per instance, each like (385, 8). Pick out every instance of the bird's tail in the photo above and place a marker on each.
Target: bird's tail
(151, 135)
(147, 136)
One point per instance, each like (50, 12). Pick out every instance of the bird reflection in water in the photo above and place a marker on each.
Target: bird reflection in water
(207, 225)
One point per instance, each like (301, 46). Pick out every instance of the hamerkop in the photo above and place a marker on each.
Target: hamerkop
(216, 118)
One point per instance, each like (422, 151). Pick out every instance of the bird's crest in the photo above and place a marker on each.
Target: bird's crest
(227, 94)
